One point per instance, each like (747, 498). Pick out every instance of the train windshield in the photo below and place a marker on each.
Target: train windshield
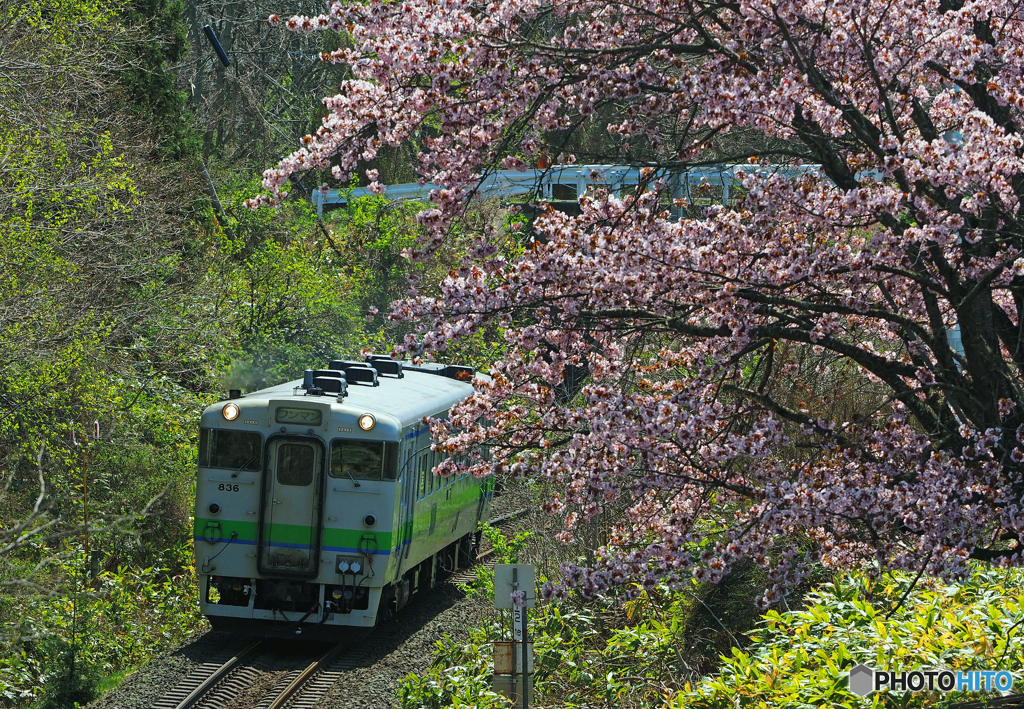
(238, 450)
(363, 460)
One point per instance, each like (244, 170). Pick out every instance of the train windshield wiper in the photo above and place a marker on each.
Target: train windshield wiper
(243, 465)
(354, 481)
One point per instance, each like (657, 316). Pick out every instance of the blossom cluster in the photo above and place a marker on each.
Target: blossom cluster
(773, 380)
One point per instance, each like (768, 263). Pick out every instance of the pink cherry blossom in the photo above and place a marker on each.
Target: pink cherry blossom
(776, 379)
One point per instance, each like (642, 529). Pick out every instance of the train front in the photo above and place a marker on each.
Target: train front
(275, 552)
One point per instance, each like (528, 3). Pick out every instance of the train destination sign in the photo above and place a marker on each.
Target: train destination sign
(306, 417)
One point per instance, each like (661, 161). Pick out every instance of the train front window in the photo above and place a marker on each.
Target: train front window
(238, 450)
(295, 463)
(363, 460)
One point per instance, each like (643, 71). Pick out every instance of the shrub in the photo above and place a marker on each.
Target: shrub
(800, 658)
(634, 654)
(63, 643)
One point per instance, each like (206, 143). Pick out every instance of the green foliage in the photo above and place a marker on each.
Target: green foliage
(800, 658)
(288, 301)
(460, 676)
(72, 681)
(579, 661)
(122, 619)
(63, 21)
(633, 654)
(126, 302)
(372, 235)
(149, 80)
(506, 551)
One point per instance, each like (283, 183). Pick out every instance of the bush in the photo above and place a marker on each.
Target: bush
(73, 681)
(62, 644)
(634, 654)
(800, 658)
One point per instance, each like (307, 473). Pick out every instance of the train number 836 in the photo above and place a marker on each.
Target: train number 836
(227, 487)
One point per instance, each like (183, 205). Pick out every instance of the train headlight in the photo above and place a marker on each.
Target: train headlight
(229, 412)
(366, 422)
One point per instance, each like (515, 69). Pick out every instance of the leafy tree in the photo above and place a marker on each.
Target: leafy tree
(779, 366)
(160, 41)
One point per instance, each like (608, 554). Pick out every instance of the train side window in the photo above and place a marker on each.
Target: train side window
(364, 460)
(428, 474)
(441, 481)
(238, 450)
(295, 463)
(424, 473)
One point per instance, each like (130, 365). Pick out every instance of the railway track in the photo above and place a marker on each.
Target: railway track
(198, 684)
(302, 688)
(258, 675)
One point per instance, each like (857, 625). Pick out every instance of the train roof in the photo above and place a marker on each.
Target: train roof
(424, 390)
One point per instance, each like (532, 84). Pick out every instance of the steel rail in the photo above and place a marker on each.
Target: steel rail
(296, 684)
(493, 521)
(196, 694)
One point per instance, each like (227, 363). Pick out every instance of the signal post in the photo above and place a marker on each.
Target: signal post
(515, 588)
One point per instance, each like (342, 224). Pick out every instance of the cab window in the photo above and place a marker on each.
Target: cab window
(363, 460)
(295, 463)
(238, 450)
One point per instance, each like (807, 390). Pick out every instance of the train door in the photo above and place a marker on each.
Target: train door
(407, 479)
(289, 543)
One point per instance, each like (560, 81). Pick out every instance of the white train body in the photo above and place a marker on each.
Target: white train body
(306, 518)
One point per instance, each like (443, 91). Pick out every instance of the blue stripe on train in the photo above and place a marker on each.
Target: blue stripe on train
(247, 542)
(208, 540)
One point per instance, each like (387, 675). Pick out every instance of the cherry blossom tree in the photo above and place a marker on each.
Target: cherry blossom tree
(778, 369)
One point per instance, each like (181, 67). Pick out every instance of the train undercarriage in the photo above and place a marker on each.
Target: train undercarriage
(290, 607)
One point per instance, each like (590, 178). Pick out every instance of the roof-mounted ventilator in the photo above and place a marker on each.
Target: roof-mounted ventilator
(458, 371)
(320, 382)
(385, 365)
(356, 372)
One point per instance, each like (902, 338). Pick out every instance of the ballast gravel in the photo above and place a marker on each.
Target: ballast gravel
(405, 645)
(161, 674)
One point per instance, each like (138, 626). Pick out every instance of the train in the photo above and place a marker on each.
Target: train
(316, 503)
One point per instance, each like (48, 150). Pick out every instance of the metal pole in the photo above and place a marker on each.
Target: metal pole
(526, 667)
(85, 490)
(515, 587)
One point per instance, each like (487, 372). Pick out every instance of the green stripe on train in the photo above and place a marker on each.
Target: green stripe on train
(217, 530)
(214, 530)
(356, 538)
